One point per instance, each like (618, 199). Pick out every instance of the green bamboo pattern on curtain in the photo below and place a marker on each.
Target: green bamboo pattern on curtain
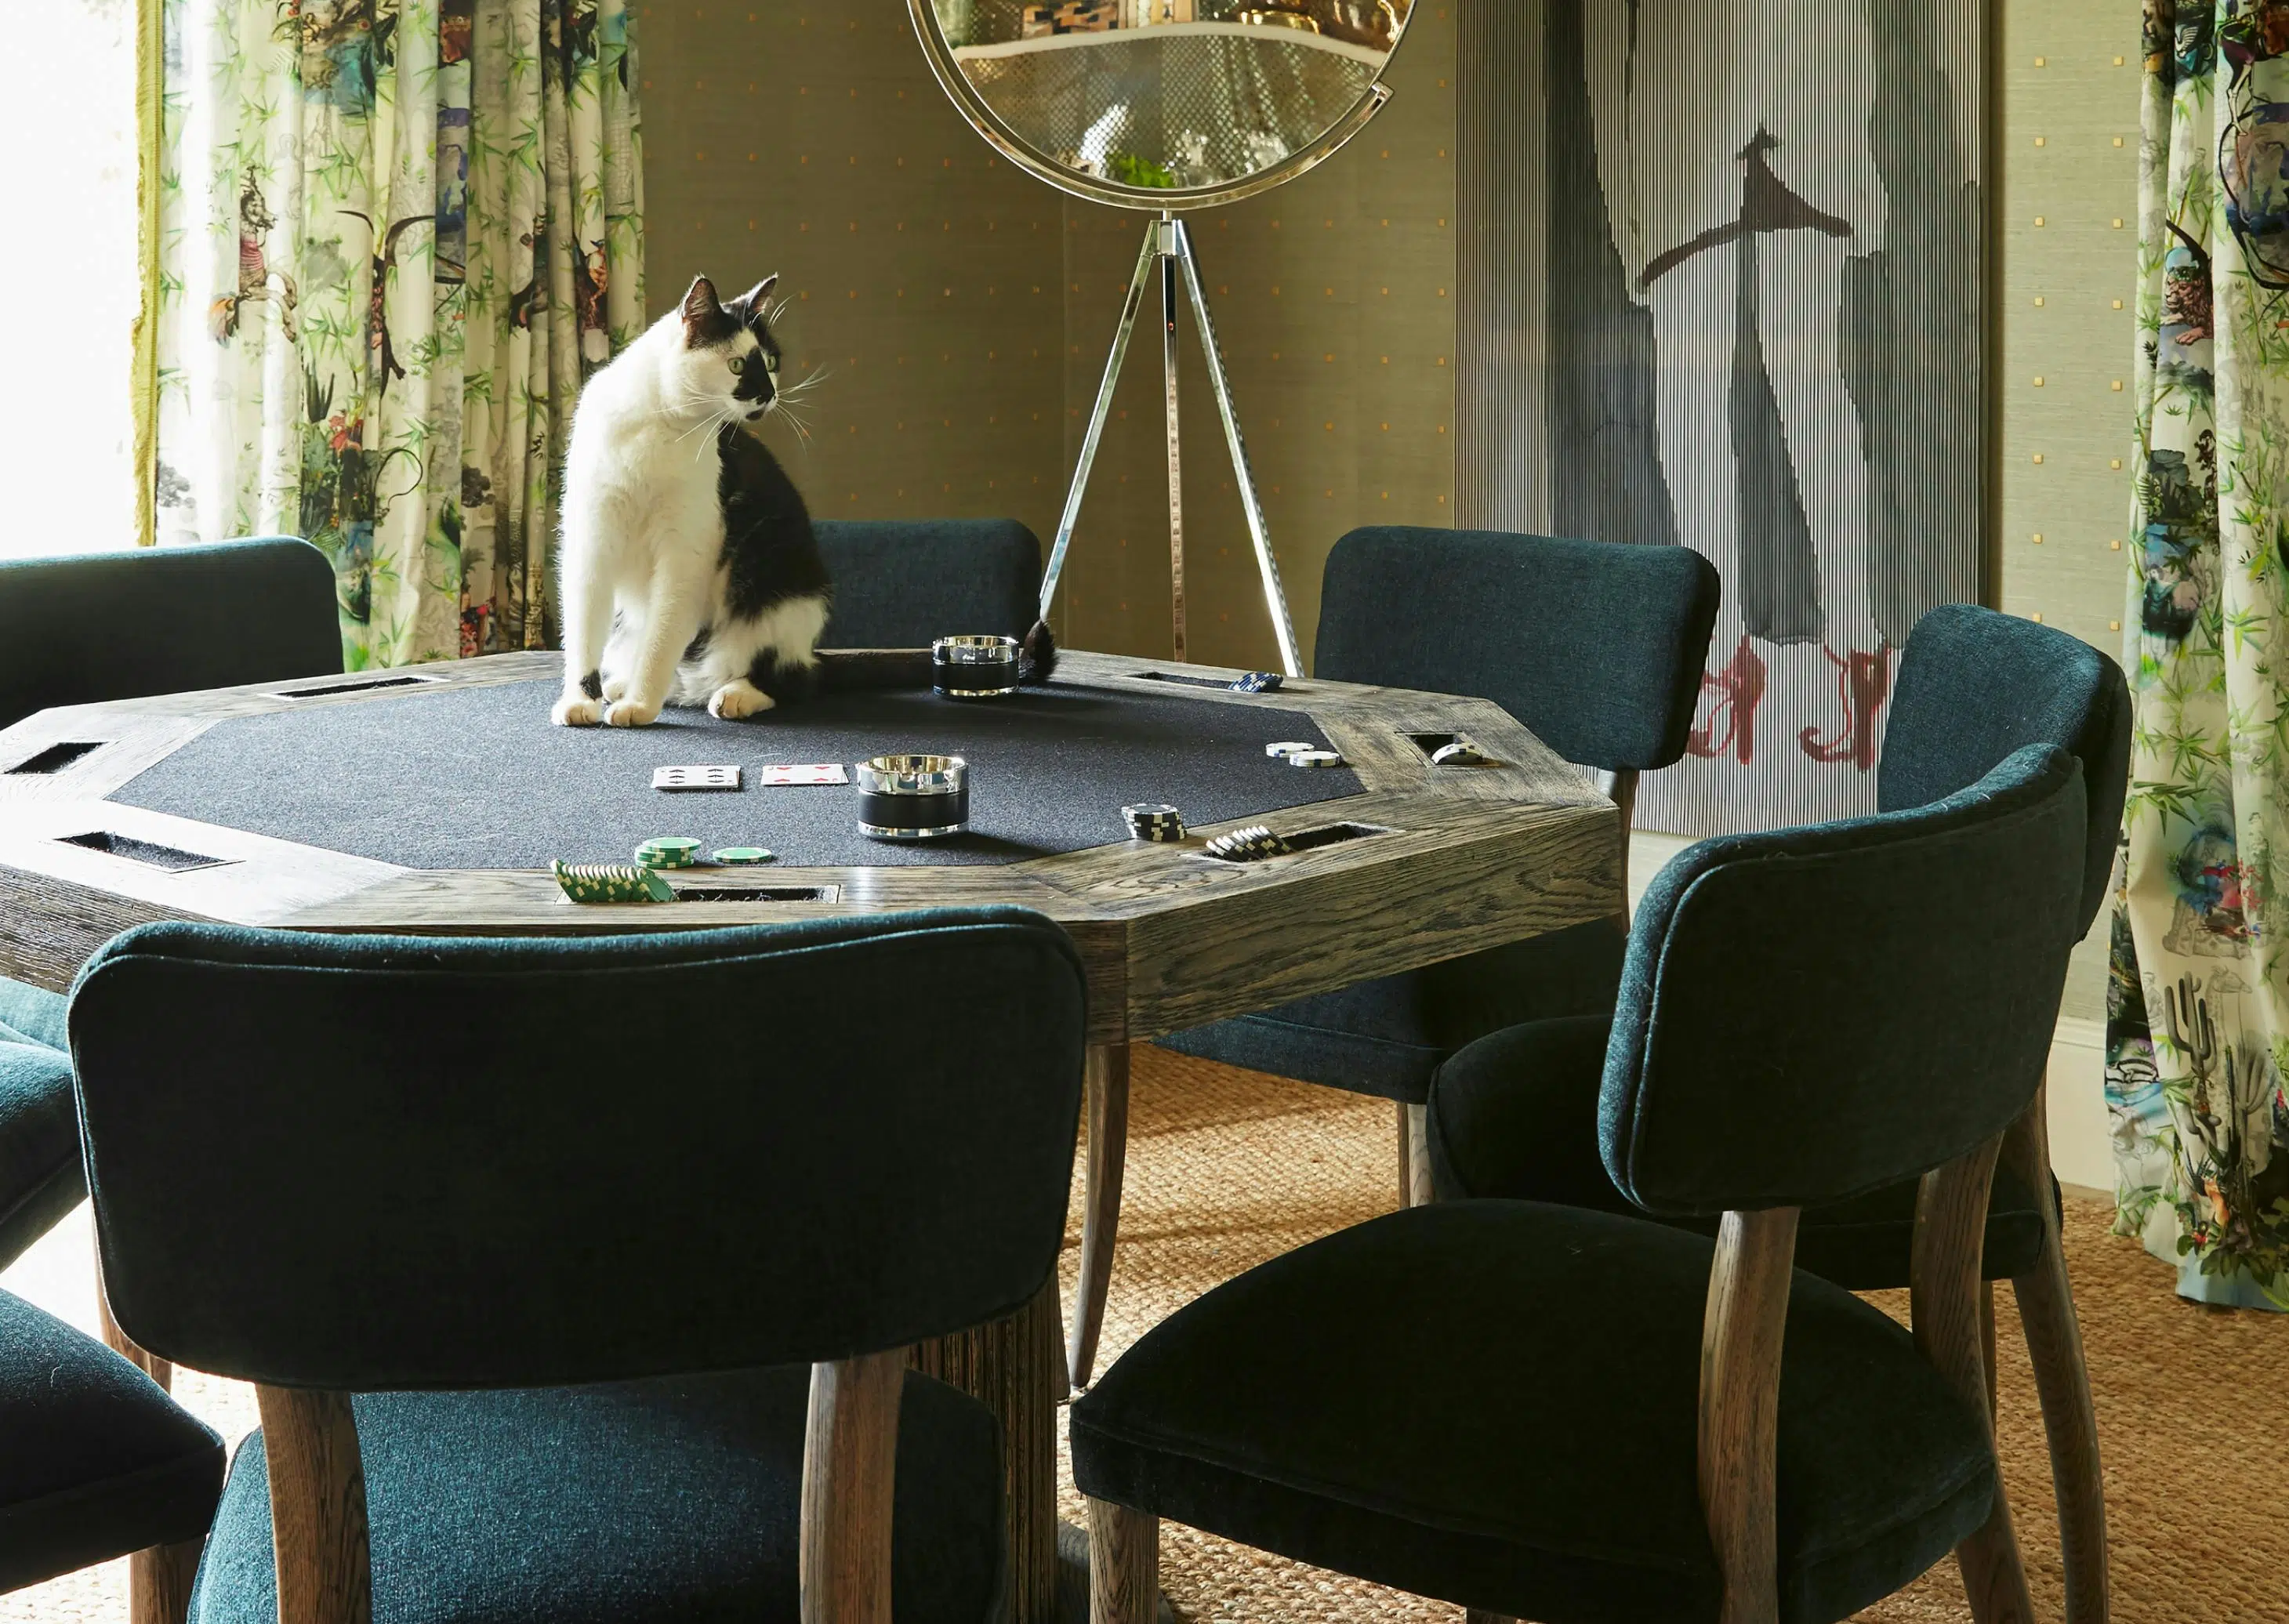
(395, 236)
(2198, 1004)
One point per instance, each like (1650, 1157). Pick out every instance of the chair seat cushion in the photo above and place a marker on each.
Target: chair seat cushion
(1492, 1403)
(1515, 1115)
(40, 1175)
(1387, 1036)
(95, 1459)
(32, 1014)
(663, 1500)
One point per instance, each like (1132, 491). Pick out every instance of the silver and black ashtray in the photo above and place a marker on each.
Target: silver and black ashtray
(974, 667)
(914, 798)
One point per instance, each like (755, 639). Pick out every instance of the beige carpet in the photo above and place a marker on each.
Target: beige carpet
(1227, 1168)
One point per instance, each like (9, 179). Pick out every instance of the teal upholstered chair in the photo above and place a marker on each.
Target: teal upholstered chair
(122, 626)
(541, 1292)
(1616, 1418)
(96, 1461)
(1597, 648)
(898, 584)
(1517, 1115)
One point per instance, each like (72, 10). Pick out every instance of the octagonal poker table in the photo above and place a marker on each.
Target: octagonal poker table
(431, 801)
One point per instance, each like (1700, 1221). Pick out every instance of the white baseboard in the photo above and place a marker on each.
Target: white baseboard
(2082, 1140)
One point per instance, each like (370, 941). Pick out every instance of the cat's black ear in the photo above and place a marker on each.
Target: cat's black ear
(705, 319)
(751, 301)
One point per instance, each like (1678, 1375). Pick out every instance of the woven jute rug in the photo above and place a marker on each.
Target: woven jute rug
(1227, 1168)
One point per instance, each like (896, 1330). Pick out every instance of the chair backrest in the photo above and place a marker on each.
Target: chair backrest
(1974, 686)
(898, 584)
(357, 1163)
(163, 620)
(1596, 647)
(1809, 1014)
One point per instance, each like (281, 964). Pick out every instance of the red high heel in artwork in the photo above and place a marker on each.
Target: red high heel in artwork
(1863, 682)
(1740, 688)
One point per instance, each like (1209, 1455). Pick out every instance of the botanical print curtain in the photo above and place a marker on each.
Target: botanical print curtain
(2198, 1001)
(394, 236)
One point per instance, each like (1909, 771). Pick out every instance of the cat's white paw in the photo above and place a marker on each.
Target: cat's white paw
(632, 713)
(577, 711)
(735, 700)
(615, 688)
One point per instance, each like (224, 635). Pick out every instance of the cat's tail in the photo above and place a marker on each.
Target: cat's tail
(852, 671)
(1037, 656)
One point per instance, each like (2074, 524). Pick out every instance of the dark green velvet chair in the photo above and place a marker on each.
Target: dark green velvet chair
(584, 1298)
(122, 626)
(96, 1461)
(1597, 648)
(1516, 1114)
(899, 583)
(1614, 1418)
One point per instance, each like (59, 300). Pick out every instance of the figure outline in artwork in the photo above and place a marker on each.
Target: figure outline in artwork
(1745, 201)
(255, 276)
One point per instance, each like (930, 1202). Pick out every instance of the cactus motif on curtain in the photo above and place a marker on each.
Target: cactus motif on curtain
(395, 237)
(2197, 1003)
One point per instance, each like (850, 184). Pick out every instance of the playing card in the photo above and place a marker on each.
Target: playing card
(823, 772)
(695, 778)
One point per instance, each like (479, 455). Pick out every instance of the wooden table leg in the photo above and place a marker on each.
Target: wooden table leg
(1100, 1228)
(1016, 1366)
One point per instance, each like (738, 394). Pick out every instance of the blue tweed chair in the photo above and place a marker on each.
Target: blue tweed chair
(121, 625)
(96, 1461)
(1606, 1428)
(1597, 649)
(1516, 1114)
(898, 583)
(538, 1298)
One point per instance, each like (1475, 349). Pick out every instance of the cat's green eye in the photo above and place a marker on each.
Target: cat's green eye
(770, 363)
(739, 363)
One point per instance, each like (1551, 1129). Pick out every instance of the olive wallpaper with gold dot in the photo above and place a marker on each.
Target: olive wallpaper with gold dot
(961, 311)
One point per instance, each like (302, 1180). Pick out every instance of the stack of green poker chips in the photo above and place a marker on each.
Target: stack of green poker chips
(611, 882)
(739, 857)
(668, 851)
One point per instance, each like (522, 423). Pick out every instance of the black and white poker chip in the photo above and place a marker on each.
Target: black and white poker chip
(1155, 821)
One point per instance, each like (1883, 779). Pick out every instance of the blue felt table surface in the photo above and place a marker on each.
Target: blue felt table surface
(476, 777)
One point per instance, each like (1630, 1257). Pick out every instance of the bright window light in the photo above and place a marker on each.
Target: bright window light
(69, 285)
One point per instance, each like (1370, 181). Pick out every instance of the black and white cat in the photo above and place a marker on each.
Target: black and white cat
(688, 570)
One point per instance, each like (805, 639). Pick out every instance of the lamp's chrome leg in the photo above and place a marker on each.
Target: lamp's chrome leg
(1275, 600)
(1175, 453)
(1072, 514)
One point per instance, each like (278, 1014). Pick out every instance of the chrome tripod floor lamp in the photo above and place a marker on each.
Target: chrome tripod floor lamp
(1166, 107)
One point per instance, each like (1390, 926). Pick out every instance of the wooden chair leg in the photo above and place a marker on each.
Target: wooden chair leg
(2061, 1381)
(1124, 1565)
(849, 1460)
(1405, 1140)
(159, 1583)
(1414, 1150)
(1986, 1337)
(1944, 1307)
(317, 1506)
(1100, 1222)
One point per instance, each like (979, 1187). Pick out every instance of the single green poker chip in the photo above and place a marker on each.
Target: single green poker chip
(735, 855)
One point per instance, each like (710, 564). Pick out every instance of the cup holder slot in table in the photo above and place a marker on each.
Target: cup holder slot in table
(1310, 839)
(757, 894)
(322, 690)
(151, 854)
(55, 756)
